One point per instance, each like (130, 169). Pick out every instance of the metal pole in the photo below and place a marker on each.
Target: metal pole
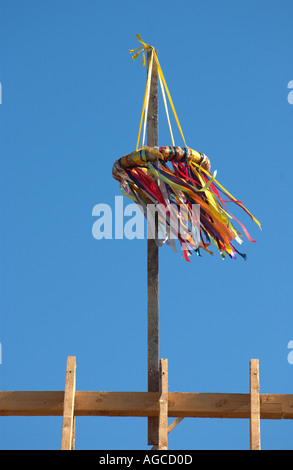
(153, 268)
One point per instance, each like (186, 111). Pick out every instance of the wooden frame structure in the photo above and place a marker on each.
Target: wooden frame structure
(72, 403)
(157, 404)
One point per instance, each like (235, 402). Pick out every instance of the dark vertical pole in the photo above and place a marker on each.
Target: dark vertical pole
(153, 268)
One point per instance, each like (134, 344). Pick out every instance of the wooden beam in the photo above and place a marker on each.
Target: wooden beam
(145, 404)
(153, 264)
(254, 405)
(68, 428)
(163, 406)
(174, 423)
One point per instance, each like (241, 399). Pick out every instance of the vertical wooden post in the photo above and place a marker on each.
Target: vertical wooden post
(68, 428)
(163, 406)
(153, 266)
(254, 405)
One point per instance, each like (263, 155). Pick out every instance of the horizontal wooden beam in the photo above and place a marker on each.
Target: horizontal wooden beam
(145, 404)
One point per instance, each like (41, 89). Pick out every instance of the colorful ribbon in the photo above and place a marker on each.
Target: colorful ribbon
(174, 179)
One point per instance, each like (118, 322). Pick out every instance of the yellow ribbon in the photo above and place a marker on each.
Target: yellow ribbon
(143, 49)
(225, 190)
(140, 49)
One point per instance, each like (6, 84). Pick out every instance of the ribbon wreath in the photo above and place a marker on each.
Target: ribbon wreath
(175, 180)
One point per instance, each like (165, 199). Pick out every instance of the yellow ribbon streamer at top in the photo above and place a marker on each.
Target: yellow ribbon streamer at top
(143, 49)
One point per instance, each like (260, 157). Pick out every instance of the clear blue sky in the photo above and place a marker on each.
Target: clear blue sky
(71, 103)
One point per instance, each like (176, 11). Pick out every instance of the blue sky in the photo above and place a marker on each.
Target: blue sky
(71, 103)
